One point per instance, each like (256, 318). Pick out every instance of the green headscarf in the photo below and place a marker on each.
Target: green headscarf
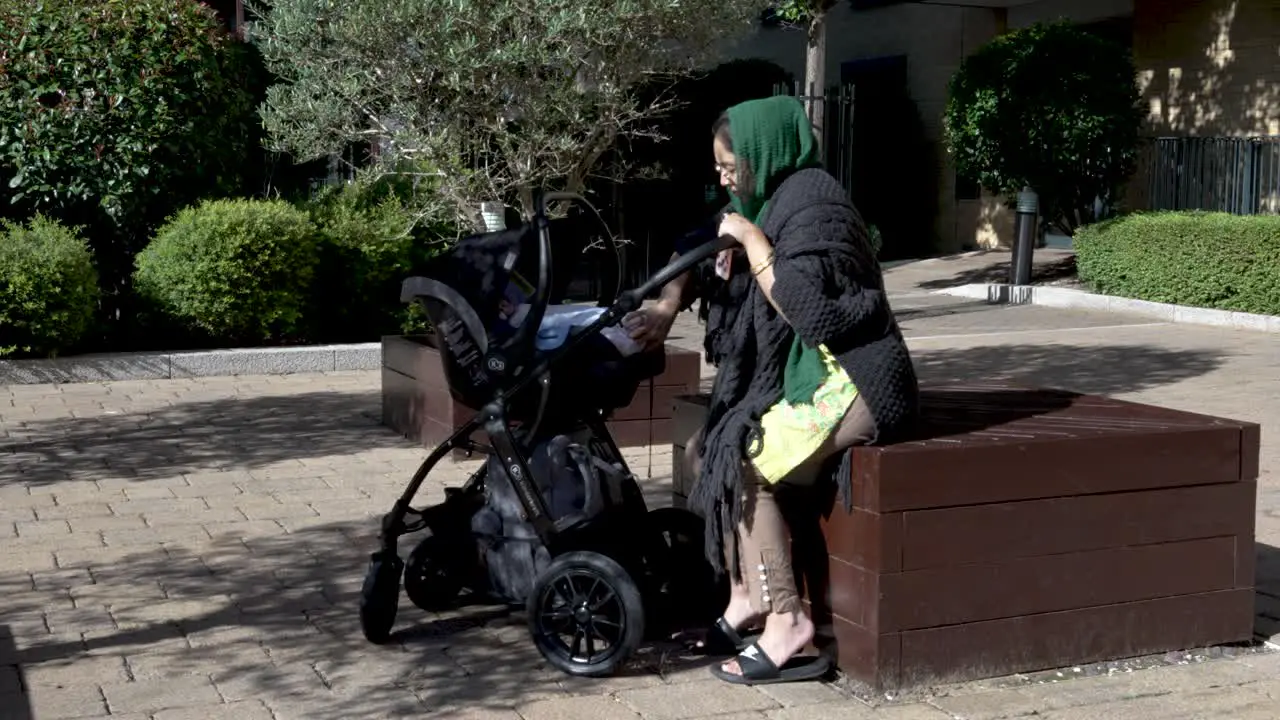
(773, 138)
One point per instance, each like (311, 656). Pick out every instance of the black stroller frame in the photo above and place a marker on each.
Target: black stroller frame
(617, 570)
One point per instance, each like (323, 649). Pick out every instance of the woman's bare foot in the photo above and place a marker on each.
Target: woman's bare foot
(785, 635)
(739, 612)
(738, 615)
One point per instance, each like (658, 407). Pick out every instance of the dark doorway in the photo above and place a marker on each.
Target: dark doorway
(895, 177)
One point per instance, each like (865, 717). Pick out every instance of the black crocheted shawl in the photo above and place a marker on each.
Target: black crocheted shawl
(827, 281)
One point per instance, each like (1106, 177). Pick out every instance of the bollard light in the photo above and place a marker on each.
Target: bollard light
(1028, 212)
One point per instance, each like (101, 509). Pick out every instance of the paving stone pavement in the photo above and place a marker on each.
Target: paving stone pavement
(194, 549)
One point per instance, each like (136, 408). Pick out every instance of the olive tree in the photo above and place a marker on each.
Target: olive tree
(1052, 107)
(812, 16)
(487, 99)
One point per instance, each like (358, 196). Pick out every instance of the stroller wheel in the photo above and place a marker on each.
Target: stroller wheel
(585, 614)
(432, 578)
(380, 596)
(689, 592)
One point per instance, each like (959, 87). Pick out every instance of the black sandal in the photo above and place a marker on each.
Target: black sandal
(758, 669)
(722, 639)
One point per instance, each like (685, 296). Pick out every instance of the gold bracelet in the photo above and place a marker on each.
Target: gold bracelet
(757, 269)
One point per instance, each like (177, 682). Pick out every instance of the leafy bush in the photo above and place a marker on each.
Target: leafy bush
(1212, 260)
(370, 240)
(235, 270)
(115, 113)
(1050, 106)
(48, 287)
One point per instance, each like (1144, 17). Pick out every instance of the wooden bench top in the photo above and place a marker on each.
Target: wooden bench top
(998, 443)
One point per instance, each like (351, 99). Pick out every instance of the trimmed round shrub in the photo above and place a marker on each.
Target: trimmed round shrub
(48, 288)
(1211, 260)
(1052, 106)
(366, 250)
(235, 270)
(372, 234)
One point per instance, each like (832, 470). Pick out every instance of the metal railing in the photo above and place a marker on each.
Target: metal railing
(1239, 175)
(837, 142)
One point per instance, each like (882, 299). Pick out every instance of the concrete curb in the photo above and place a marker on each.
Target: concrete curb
(1080, 300)
(212, 363)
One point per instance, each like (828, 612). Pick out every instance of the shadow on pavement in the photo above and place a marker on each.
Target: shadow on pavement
(12, 699)
(945, 309)
(195, 437)
(1268, 598)
(1090, 369)
(273, 618)
(244, 433)
(999, 273)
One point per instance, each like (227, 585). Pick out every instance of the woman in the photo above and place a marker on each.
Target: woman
(811, 362)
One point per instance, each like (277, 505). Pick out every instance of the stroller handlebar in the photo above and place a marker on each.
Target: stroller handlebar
(675, 269)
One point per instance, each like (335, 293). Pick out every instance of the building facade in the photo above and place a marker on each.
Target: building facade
(1206, 69)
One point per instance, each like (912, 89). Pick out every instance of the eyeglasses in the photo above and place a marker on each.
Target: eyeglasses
(729, 170)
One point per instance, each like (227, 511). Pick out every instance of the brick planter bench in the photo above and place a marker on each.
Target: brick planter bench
(417, 404)
(1033, 530)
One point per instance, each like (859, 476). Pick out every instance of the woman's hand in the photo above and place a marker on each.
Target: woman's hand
(759, 250)
(650, 326)
(739, 228)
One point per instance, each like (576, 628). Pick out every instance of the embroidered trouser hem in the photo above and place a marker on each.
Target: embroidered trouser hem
(764, 538)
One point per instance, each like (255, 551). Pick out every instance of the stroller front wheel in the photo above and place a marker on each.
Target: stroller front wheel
(380, 596)
(586, 614)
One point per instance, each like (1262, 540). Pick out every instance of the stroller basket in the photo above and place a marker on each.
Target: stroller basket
(553, 515)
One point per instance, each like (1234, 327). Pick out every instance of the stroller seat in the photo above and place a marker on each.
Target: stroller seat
(480, 321)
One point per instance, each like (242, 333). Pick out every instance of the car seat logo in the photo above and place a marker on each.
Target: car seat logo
(515, 470)
(497, 364)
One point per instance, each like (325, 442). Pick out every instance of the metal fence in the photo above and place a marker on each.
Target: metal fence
(1226, 174)
(837, 143)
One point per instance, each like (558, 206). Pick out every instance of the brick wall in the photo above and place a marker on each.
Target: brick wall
(1209, 67)
(1206, 68)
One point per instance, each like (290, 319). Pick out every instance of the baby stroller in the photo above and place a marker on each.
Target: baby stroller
(553, 520)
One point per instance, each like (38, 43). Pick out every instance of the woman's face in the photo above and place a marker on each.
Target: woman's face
(727, 166)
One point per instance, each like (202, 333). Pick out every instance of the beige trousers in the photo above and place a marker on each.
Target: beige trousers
(764, 538)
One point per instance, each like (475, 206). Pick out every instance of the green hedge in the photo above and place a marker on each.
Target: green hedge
(239, 271)
(1211, 260)
(48, 288)
(369, 241)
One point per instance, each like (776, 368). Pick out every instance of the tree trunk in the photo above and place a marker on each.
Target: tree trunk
(525, 195)
(815, 71)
